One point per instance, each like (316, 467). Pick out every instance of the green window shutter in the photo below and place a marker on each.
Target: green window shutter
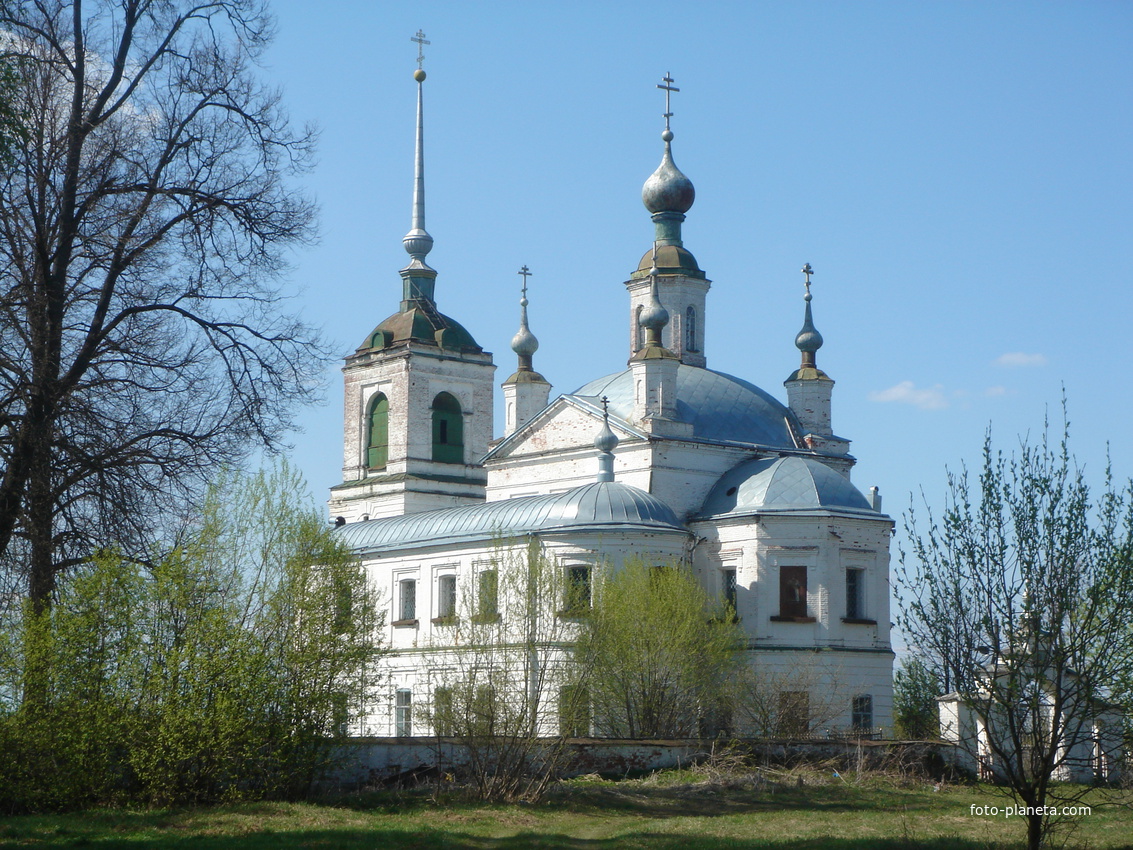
(448, 430)
(377, 450)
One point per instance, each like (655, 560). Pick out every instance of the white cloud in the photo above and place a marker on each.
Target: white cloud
(906, 392)
(1013, 359)
(994, 392)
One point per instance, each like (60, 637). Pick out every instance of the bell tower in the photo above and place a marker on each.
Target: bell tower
(418, 406)
(681, 286)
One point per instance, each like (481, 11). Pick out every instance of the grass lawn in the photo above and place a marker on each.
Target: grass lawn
(677, 810)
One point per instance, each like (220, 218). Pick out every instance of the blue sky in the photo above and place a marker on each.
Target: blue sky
(958, 174)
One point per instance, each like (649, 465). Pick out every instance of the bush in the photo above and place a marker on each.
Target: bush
(225, 670)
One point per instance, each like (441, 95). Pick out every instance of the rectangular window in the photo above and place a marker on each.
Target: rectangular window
(343, 605)
(794, 713)
(577, 590)
(340, 713)
(862, 713)
(854, 594)
(488, 604)
(574, 711)
(792, 592)
(485, 710)
(446, 597)
(407, 599)
(728, 588)
(402, 714)
(442, 712)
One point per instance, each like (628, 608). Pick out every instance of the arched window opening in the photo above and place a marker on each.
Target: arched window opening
(448, 429)
(638, 330)
(377, 436)
(690, 329)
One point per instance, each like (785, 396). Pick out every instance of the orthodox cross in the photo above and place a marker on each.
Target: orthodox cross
(808, 271)
(669, 89)
(421, 42)
(606, 408)
(525, 272)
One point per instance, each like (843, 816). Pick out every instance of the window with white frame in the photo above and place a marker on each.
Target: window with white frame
(403, 713)
(488, 602)
(728, 589)
(854, 607)
(446, 597)
(861, 715)
(407, 600)
(577, 597)
(442, 711)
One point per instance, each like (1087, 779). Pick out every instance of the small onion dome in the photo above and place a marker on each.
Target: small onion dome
(667, 189)
(809, 339)
(524, 342)
(607, 440)
(654, 316)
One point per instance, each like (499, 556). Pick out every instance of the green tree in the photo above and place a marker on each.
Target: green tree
(1023, 589)
(229, 669)
(915, 689)
(659, 652)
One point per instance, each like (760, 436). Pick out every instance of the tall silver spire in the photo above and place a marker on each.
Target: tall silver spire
(418, 278)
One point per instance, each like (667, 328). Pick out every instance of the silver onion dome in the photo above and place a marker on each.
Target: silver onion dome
(667, 189)
(524, 342)
(654, 316)
(809, 339)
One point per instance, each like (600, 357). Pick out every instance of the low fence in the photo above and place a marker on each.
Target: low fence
(387, 761)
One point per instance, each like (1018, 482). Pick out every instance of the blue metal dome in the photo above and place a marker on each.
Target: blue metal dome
(605, 504)
(721, 408)
(782, 484)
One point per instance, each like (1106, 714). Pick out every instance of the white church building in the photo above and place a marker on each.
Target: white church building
(754, 494)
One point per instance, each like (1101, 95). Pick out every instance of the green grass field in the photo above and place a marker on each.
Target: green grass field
(677, 810)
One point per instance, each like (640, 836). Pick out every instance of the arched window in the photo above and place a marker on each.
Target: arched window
(638, 330)
(377, 433)
(448, 429)
(690, 329)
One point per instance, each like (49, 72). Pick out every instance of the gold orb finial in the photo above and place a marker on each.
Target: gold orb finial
(419, 75)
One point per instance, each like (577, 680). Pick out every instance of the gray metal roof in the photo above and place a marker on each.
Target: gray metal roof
(605, 504)
(721, 408)
(782, 483)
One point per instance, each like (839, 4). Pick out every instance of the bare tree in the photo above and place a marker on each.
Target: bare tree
(143, 228)
(802, 701)
(1023, 591)
(505, 686)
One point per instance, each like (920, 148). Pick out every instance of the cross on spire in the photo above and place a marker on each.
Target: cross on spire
(808, 271)
(669, 89)
(606, 408)
(421, 42)
(525, 272)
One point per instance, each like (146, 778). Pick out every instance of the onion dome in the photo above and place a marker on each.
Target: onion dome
(808, 340)
(605, 443)
(667, 189)
(654, 316)
(524, 343)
